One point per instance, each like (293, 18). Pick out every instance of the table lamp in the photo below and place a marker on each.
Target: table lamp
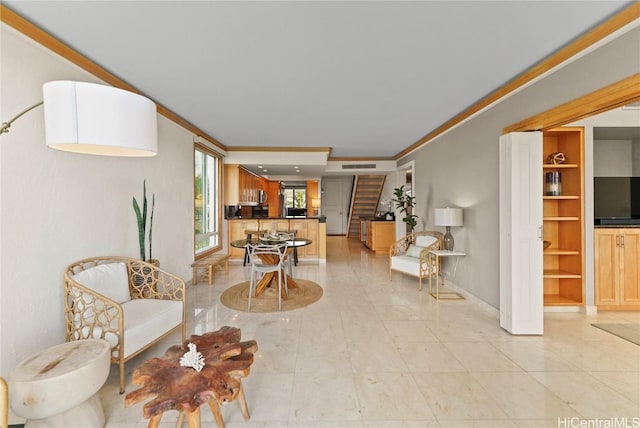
(448, 217)
(315, 204)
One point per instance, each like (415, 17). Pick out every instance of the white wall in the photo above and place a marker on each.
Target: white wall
(58, 207)
(612, 158)
(460, 168)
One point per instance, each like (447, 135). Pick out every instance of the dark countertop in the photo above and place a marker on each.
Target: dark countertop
(375, 219)
(614, 222)
(321, 219)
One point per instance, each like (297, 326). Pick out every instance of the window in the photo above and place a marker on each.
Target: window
(295, 201)
(207, 200)
(295, 197)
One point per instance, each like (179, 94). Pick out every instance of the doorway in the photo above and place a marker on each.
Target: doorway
(336, 194)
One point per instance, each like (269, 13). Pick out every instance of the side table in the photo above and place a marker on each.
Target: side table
(434, 257)
(58, 387)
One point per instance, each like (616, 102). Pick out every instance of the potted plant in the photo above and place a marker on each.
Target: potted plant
(141, 217)
(405, 203)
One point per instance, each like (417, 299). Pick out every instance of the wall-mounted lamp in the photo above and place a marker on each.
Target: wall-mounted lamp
(315, 203)
(96, 119)
(448, 217)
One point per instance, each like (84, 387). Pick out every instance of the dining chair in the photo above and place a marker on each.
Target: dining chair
(291, 250)
(250, 234)
(291, 235)
(266, 258)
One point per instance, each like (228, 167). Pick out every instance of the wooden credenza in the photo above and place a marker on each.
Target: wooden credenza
(379, 235)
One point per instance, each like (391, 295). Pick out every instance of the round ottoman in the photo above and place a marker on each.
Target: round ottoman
(58, 386)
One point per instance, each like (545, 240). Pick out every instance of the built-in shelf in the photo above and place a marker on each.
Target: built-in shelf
(560, 166)
(555, 252)
(557, 300)
(563, 197)
(563, 220)
(553, 273)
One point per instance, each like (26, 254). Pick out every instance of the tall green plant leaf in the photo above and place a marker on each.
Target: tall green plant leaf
(153, 205)
(141, 217)
(140, 222)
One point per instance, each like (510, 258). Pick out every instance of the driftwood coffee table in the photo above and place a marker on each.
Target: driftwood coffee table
(171, 386)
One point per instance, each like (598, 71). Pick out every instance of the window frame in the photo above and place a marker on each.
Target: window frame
(199, 147)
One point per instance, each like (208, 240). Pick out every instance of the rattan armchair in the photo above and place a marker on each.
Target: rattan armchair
(132, 309)
(409, 255)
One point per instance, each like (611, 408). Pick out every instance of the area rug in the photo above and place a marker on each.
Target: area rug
(306, 293)
(630, 332)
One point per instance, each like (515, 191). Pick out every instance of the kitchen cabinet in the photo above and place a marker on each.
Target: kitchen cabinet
(304, 228)
(237, 231)
(242, 186)
(563, 216)
(617, 268)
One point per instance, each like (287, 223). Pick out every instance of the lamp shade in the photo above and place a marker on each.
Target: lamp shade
(97, 119)
(448, 217)
(315, 203)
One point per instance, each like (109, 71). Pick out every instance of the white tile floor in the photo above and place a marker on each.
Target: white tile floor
(374, 353)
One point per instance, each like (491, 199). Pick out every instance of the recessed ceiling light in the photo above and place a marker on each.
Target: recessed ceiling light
(260, 166)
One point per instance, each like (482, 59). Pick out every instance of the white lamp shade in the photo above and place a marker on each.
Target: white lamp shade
(448, 217)
(315, 203)
(97, 119)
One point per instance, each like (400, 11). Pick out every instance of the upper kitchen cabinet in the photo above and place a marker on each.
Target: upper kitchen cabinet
(242, 186)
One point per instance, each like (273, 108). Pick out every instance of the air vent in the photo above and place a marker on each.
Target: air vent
(360, 166)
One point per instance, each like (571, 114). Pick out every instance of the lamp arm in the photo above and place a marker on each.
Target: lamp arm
(6, 125)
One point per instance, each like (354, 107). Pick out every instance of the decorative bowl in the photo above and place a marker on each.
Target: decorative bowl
(546, 244)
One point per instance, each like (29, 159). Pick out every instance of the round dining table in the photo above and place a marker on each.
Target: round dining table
(265, 281)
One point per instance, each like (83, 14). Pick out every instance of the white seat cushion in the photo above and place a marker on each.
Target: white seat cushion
(406, 264)
(147, 319)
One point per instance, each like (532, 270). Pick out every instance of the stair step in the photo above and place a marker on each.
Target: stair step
(365, 200)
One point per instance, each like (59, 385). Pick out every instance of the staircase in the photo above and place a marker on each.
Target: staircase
(364, 201)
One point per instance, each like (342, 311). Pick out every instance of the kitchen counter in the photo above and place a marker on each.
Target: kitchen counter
(312, 228)
(321, 219)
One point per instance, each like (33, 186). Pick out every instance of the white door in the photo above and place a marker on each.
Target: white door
(521, 265)
(335, 203)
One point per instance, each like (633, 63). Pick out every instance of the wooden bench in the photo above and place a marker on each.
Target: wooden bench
(209, 263)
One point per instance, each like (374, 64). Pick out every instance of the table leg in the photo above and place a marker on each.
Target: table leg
(264, 282)
(243, 403)
(193, 419)
(154, 421)
(215, 409)
(272, 276)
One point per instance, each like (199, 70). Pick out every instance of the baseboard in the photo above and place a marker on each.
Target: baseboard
(473, 299)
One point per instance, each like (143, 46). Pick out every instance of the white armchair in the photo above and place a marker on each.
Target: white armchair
(130, 303)
(409, 254)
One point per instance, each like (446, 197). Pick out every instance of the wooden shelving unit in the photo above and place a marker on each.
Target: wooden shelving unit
(563, 220)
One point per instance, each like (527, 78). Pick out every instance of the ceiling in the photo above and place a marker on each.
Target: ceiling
(366, 79)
